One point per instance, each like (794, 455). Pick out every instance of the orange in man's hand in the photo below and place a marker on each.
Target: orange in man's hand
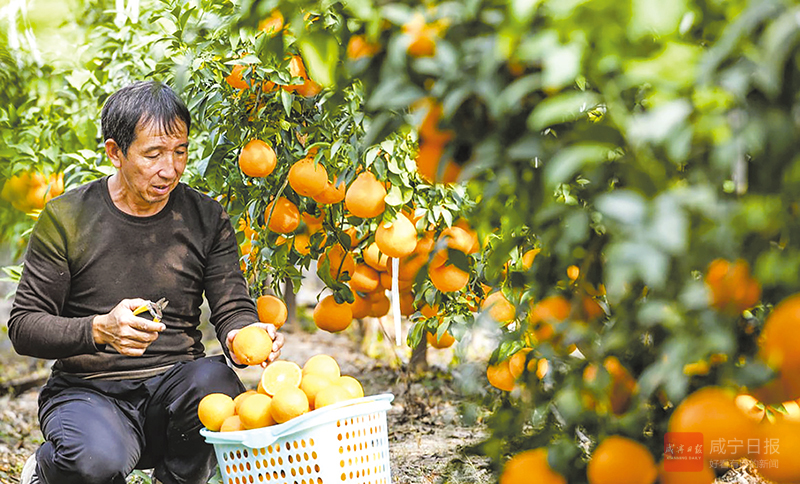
(252, 345)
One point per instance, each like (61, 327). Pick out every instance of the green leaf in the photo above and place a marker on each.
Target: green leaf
(562, 65)
(320, 52)
(624, 206)
(570, 160)
(654, 18)
(656, 124)
(561, 108)
(286, 101)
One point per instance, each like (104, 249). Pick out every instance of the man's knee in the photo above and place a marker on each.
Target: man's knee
(92, 464)
(212, 375)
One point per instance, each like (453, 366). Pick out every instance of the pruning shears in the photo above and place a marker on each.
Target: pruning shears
(156, 309)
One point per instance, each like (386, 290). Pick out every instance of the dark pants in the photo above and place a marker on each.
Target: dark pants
(97, 432)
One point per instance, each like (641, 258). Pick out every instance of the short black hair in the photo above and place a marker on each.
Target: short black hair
(142, 102)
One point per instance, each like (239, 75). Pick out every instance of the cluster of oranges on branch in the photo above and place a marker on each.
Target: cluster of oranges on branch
(29, 191)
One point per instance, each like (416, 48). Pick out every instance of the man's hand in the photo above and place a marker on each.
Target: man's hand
(277, 343)
(128, 334)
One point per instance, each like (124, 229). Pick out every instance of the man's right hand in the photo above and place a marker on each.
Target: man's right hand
(128, 334)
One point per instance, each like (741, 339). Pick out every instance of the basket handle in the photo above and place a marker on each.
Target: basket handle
(381, 402)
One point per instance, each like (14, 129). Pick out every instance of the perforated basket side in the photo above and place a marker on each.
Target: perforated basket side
(350, 444)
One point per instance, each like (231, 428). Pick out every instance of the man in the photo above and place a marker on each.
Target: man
(124, 388)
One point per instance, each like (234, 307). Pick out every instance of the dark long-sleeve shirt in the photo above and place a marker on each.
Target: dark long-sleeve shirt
(85, 256)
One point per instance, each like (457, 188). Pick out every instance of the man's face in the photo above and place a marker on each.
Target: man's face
(153, 165)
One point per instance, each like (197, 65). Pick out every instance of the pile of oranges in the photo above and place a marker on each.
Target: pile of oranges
(285, 391)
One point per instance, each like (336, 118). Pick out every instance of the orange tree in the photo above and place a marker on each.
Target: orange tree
(648, 150)
(629, 168)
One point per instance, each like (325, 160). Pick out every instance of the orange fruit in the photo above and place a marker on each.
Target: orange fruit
(704, 476)
(778, 345)
(333, 393)
(374, 258)
(352, 385)
(213, 409)
(422, 37)
(731, 288)
(499, 376)
(279, 374)
(448, 278)
(360, 306)
(313, 222)
(713, 412)
(429, 311)
(273, 24)
(407, 303)
(238, 399)
(235, 78)
(457, 238)
(397, 238)
(529, 467)
(257, 159)
(231, 424)
(385, 280)
(282, 216)
(429, 164)
(445, 341)
(779, 444)
(254, 411)
(620, 460)
(749, 405)
(364, 278)
(272, 310)
(429, 131)
(312, 383)
(29, 191)
(43, 189)
(621, 387)
(591, 308)
(339, 261)
(543, 314)
(324, 365)
(302, 244)
(573, 272)
(364, 197)
(380, 305)
(358, 47)
(518, 361)
(333, 192)
(409, 266)
(332, 316)
(309, 88)
(297, 69)
(499, 308)
(528, 258)
(307, 177)
(252, 345)
(287, 403)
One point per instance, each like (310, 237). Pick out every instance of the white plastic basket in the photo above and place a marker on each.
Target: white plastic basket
(344, 442)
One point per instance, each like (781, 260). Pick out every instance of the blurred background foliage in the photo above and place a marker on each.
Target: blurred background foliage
(638, 140)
